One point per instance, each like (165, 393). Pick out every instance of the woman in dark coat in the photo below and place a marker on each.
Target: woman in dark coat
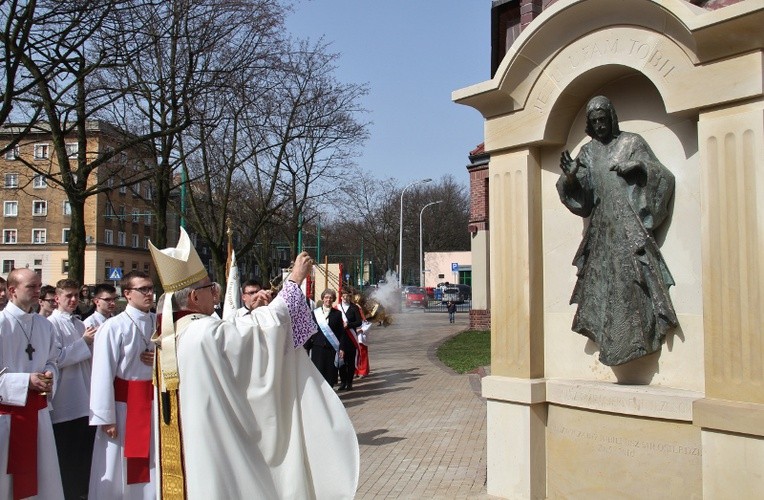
(326, 344)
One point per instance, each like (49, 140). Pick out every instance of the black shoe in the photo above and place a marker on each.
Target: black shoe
(343, 387)
(349, 388)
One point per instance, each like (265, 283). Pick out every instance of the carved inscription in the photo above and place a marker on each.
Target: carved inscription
(639, 51)
(625, 446)
(591, 398)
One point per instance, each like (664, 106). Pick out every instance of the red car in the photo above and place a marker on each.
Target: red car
(416, 297)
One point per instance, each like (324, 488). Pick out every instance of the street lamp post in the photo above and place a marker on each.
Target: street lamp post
(400, 243)
(421, 253)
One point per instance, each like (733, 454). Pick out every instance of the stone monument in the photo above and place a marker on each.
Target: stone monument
(686, 421)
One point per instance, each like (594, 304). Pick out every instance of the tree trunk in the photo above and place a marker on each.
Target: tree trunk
(77, 241)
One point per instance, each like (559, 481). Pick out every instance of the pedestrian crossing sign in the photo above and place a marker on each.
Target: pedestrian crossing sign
(115, 274)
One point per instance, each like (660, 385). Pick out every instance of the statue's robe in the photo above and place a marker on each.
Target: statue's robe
(622, 287)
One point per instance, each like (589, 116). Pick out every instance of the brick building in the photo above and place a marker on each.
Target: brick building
(37, 214)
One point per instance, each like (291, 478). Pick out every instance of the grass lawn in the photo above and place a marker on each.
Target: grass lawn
(467, 351)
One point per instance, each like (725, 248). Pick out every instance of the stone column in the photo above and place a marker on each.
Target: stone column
(731, 416)
(516, 398)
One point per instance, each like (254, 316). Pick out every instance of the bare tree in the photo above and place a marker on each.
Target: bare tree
(198, 49)
(63, 54)
(326, 135)
(280, 142)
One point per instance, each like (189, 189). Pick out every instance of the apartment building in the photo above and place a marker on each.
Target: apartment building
(36, 213)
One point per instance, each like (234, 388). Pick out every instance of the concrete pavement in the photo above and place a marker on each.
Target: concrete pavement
(421, 427)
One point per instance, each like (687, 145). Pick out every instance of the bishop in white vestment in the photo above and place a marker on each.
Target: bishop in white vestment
(257, 420)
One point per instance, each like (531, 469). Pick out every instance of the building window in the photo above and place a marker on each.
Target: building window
(135, 266)
(67, 208)
(39, 182)
(8, 266)
(10, 236)
(11, 180)
(65, 266)
(122, 189)
(146, 267)
(13, 153)
(121, 238)
(39, 236)
(146, 242)
(41, 151)
(122, 213)
(40, 207)
(136, 241)
(108, 236)
(11, 208)
(109, 210)
(148, 219)
(110, 181)
(107, 269)
(147, 191)
(38, 262)
(72, 148)
(136, 216)
(65, 235)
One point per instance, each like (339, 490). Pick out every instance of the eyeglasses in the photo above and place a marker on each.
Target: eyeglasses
(111, 299)
(208, 285)
(145, 290)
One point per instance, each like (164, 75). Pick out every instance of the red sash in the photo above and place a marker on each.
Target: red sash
(22, 444)
(138, 395)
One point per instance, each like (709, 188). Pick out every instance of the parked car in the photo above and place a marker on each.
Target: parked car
(466, 291)
(416, 297)
(452, 294)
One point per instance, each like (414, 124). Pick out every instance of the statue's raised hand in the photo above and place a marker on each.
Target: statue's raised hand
(568, 165)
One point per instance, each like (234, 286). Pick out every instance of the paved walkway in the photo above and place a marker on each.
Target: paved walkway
(421, 427)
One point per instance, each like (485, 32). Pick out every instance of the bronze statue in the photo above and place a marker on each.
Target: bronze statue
(622, 287)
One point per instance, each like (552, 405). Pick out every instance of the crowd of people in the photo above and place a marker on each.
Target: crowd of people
(83, 383)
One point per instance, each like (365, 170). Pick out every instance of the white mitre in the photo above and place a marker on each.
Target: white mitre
(178, 268)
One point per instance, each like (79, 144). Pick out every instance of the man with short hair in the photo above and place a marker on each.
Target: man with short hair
(105, 299)
(3, 292)
(250, 297)
(74, 436)
(28, 372)
(47, 301)
(121, 396)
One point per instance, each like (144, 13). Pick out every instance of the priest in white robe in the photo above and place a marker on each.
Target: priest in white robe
(121, 398)
(256, 419)
(27, 372)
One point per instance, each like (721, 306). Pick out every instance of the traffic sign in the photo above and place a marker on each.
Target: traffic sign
(455, 267)
(115, 274)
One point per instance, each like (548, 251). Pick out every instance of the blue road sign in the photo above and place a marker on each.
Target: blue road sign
(115, 274)
(455, 267)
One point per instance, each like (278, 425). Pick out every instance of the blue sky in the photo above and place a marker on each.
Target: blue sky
(412, 54)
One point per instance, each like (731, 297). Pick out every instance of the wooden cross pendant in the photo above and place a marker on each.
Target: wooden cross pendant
(29, 350)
